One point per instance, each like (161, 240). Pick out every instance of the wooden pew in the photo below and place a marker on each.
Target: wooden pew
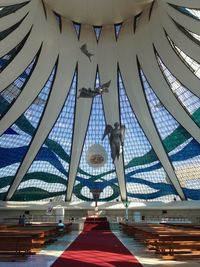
(15, 239)
(168, 245)
(14, 248)
(167, 241)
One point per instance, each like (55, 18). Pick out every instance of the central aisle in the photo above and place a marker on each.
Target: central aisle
(96, 246)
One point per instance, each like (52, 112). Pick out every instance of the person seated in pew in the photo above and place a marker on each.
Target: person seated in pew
(20, 221)
(23, 219)
(61, 226)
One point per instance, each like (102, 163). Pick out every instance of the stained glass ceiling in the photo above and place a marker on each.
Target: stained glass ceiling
(50, 132)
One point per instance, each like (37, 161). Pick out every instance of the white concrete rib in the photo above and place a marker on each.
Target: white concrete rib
(129, 71)
(86, 78)
(107, 58)
(62, 82)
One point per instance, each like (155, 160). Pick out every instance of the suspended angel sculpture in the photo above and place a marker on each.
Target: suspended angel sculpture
(89, 93)
(85, 51)
(116, 138)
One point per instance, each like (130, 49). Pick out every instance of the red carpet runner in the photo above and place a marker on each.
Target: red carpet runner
(96, 246)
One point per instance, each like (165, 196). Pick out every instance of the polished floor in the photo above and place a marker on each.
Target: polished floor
(47, 256)
(148, 258)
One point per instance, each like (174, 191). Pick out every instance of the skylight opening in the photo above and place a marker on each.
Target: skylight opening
(97, 30)
(6, 59)
(193, 65)
(77, 27)
(117, 28)
(58, 20)
(11, 93)
(136, 20)
(193, 36)
(190, 102)
(6, 10)
(191, 12)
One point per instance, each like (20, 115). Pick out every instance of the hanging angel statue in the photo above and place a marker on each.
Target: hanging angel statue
(116, 138)
(85, 51)
(89, 93)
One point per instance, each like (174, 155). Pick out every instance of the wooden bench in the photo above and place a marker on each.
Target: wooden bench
(172, 244)
(37, 237)
(32, 238)
(14, 248)
(167, 241)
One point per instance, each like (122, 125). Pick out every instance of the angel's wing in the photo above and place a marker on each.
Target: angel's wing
(105, 85)
(84, 48)
(108, 130)
(122, 132)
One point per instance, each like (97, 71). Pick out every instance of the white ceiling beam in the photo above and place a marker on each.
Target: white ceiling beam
(188, 22)
(13, 18)
(14, 38)
(169, 57)
(178, 37)
(47, 58)
(86, 78)
(62, 82)
(14, 2)
(41, 31)
(134, 90)
(107, 58)
(184, 3)
(157, 81)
